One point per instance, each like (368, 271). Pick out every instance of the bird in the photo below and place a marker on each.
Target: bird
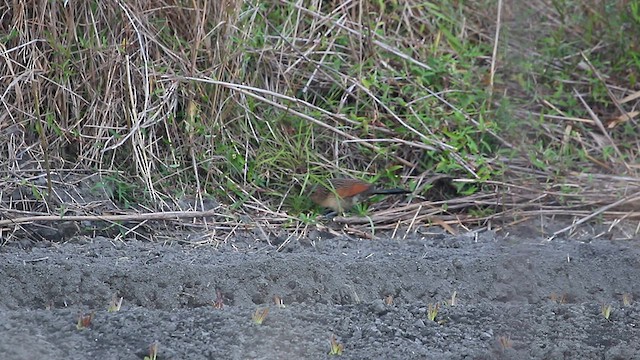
(343, 193)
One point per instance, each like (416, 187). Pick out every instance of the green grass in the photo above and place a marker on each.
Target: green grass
(252, 105)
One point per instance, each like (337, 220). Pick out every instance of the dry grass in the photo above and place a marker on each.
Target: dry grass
(235, 108)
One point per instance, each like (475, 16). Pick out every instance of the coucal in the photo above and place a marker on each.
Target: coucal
(343, 193)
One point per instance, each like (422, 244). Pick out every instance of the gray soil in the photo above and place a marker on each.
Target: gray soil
(517, 297)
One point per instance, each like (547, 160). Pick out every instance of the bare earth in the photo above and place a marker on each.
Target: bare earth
(518, 297)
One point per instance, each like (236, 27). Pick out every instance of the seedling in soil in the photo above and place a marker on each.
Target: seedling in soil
(560, 299)
(115, 304)
(605, 309)
(336, 347)
(84, 320)
(627, 299)
(388, 300)
(219, 303)
(453, 301)
(432, 311)
(278, 301)
(259, 315)
(153, 351)
(505, 342)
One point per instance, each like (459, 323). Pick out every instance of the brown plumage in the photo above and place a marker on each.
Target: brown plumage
(343, 194)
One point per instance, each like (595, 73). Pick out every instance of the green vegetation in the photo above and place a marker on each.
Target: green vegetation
(84, 320)
(432, 311)
(605, 310)
(453, 301)
(505, 342)
(249, 104)
(336, 348)
(260, 315)
(153, 351)
(115, 304)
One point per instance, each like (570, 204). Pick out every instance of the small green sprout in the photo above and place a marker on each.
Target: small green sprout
(560, 299)
(605, 309)
(153, 351)
(219, 302)
(453, 301)
(84, 320)
(505, 342)
(278, 301)
(432, 311)
(388, 300)
(115, 304)
(259, 315)
(336, 347)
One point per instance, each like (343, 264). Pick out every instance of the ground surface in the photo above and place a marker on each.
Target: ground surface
(505, 286)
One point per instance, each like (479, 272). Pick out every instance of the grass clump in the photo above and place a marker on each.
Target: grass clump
(247, 105)
(432, 311)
